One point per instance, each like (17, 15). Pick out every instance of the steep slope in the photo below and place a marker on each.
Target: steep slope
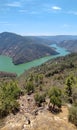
(70, 45)
(23, 49)
(54, 73)
(67, 41)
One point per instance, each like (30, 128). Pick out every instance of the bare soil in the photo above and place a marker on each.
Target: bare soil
(31, 117)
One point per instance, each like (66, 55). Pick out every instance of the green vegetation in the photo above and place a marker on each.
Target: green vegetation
(29, 87)
(69, 88)
(55, 98)
(9, 92)
(39, 83)
(73, 114)
(62, 73)
(33, 82)
(39, 99)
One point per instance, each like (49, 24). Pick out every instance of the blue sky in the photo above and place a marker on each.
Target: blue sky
(39, 17)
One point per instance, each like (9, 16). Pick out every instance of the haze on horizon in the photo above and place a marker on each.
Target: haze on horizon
(39, 17)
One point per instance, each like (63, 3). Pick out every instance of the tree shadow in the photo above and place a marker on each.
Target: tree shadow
(55, 110)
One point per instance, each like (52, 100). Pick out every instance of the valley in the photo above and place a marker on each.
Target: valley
(23, 49)
(41, 93)
(38, 64)
(42, 79)
(7, 65)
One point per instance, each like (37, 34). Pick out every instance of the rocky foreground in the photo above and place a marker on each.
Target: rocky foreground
(31, 117)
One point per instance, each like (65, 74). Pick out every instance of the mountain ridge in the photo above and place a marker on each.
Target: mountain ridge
(23, 49)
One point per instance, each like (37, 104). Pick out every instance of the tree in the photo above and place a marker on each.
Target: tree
(9, 92)
(69, 87)
(74, 95)
(55, 98)
(69, 82)
(29, 87)
(38, 79)
(39, 99)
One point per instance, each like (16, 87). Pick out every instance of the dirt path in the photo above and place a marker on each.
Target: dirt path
(44, 120)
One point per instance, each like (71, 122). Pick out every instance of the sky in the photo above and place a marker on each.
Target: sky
(39, 17)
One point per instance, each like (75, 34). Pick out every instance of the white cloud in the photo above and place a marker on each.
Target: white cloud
(28, 11)
(34, 12)
(23, 11)
(8, 24)
(56, 8)
(14, 4)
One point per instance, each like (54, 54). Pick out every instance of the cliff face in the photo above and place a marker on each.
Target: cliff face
(23, 49)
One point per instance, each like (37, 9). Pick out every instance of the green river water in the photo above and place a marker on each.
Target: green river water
(7, 65)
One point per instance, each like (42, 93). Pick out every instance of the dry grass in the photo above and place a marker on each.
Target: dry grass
(45, 120)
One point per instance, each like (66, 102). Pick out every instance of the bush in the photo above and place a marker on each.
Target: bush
(29, 87)
(39, 99)
(69, 90)
(9, 92)
(55, 98)
(73, 115)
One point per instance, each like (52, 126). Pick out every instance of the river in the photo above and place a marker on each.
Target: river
(7, 65)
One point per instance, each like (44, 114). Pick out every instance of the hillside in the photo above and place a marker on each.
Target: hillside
(70, 45)
(41, 80)
(54, 71)
(66, 41)
(23, 49)
(59, 38)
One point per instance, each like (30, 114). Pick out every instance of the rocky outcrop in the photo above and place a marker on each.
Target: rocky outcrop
(44, 120)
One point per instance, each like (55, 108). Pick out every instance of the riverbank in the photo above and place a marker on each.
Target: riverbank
(6, 64)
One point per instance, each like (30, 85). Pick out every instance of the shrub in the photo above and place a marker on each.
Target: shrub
(55, 98)
(73, 115)
(70, 82)
(29, 87)
(9, 92)
(39, 99)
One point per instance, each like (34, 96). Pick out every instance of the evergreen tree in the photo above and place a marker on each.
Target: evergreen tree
(55, 98)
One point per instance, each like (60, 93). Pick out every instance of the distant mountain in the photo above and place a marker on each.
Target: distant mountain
(59, 38)
(70, 45)
(23, 49)
(67, 41)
